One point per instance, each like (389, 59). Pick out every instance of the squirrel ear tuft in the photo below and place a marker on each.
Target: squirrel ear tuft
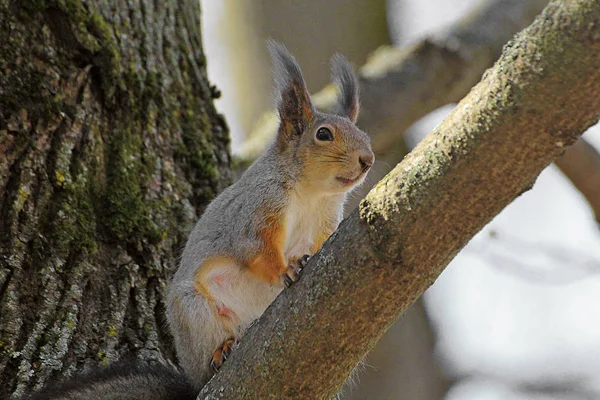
(292, 98)
(342, 75)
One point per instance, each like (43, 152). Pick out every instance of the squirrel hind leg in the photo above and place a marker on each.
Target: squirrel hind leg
(197, 331)
(221, 354)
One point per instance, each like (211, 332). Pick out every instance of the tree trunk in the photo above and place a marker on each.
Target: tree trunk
(109, 149)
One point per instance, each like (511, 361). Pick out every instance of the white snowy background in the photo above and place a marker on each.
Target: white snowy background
(519, 306)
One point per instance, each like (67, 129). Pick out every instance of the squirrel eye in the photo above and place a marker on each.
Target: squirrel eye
(324, 134)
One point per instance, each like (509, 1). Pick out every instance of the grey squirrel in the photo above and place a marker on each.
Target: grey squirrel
(255, 237)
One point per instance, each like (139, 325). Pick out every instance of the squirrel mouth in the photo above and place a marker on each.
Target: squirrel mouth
(349, 181)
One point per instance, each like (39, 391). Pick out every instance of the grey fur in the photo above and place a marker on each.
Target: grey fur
(123, 382)
(229, 226)
(285, 70)
(348, 92)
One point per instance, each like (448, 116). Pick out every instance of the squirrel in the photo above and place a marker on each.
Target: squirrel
(254, 238)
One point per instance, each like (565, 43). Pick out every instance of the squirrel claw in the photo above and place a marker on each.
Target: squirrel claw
(292, 274)
(302, 261)
(221, 354)
(216, 365)
(287, 281)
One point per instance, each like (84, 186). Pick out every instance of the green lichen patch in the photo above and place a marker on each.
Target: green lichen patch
(125, 212)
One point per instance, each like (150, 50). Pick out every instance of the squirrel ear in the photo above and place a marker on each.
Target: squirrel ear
(342, 75)
(292, 98)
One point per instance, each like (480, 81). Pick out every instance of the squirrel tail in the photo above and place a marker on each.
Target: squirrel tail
(123, 381)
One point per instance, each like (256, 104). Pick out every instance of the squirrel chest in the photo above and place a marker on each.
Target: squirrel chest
(309, 222)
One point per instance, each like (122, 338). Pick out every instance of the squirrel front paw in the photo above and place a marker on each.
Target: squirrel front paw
(292, 274)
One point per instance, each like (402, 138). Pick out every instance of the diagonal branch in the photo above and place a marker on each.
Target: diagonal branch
(538, 98)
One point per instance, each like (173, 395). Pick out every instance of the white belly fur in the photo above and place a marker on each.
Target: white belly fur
(246, 296)
(302, 226)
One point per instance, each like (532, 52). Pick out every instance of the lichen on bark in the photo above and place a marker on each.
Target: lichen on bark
(110, 147)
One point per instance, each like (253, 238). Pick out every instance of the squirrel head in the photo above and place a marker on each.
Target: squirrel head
(332, 155)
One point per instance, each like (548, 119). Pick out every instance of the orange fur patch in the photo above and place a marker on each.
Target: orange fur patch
(200, 278)
(306, 109)
(319, 240)
(269, 264)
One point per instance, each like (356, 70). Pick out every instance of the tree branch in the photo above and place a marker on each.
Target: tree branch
(537, 99)
(581, 164)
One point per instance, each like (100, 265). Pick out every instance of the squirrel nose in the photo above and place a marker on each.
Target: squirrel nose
(366, 160)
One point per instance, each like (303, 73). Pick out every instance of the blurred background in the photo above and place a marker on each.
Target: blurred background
(516, 315)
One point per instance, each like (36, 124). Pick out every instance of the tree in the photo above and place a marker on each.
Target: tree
(110, 147)
(123, 195)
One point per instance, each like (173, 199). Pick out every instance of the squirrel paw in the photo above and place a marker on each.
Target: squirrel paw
(221, 354)
(302, 261)
(293, 272)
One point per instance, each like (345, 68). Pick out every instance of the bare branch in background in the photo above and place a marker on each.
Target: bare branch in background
(535, 261)
(581, 164)
(400, 86)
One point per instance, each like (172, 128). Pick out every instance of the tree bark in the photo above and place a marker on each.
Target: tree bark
(109, 149)
(537, 100)
(403, 364)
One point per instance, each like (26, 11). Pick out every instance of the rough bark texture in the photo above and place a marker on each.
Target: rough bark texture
(581, 164)
(537, 99)
(403, 364)
(109, 148)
